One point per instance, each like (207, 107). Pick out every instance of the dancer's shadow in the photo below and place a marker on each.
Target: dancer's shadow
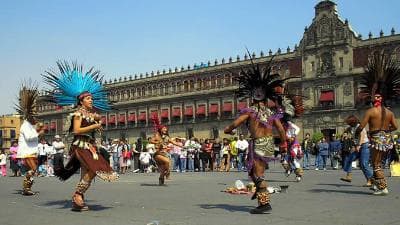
(153, 185)
(336, 185)
(19, 192)
(290, 181)
(317, 190)
(67, 204)
(230, 208)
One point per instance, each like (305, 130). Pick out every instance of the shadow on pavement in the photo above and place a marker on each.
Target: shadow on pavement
(19, 192)
(153, 185)
(336, 185)
(230, 208)
(293, 181)
(340, 191)
(67, 204)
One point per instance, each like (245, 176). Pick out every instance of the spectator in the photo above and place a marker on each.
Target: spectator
(151, 149)
(306, 146)
(216, 148)
(3, 163)
(144, 159)
(183, 157)
(347, 145)
(323, 148)
(190, 147)
(124, 155)
(136, 153)
(234, 153)
(226, 152)
(59, 149)
(14, 164)
(105, 150)
(42, 159)
(114, 150)
(242, 146)
(334, 152)
(197, 155)
(206, 148)
(50, 161)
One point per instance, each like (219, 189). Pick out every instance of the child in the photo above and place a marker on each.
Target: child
(225, 152)
(3, 163)
(145, 160)
(291, 160)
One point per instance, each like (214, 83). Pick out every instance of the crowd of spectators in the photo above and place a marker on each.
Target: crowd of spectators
(192, 155)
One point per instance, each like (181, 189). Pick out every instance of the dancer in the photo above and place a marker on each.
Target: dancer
(29, 135)
(161, 140)
(382, 83)
(74, 86)
(359, 150)
(291, 161)
(259, 85)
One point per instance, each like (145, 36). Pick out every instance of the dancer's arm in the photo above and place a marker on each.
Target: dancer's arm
(393, 123)
(241, 119)
(282, 135)
(82, 130)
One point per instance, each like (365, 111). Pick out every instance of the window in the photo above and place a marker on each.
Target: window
(12, 121)
(143, 91)
(191, 85)
(186, 86)
(178, 87)
(341, 62)
(166, 90)
(213, 80)
(12, 134)
(161, 89)
(219, 81)
(327, 98)
(312, 65)
(227, 80)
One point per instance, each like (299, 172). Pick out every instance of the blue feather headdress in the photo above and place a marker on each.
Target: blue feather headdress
(70, 82)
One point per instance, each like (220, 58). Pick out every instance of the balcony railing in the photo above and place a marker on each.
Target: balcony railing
(327, 107)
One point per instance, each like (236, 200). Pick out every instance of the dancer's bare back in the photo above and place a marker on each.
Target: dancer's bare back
(373, 117)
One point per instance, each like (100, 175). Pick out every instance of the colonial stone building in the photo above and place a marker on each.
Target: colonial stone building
(200, 100)
(9, 130)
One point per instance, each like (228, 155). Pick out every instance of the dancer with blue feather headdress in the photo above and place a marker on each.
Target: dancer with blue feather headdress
(72, 86)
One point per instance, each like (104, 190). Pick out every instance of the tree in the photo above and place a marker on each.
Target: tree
(317, 136)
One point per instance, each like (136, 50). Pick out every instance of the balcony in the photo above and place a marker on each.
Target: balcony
(327, 107)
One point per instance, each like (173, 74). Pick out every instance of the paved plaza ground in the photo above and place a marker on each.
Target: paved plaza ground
(196, 198)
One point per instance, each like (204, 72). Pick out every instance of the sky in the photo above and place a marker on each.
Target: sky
(127, 37)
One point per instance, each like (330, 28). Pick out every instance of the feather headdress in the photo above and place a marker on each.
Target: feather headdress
(26, 106)
(382, 76)
(71, 81)
(259, 84)
(157, 126)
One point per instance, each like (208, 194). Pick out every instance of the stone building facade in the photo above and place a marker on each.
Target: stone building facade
(200, 100)
(9, 130)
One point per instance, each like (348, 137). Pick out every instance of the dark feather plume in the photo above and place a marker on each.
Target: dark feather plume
(382, 75)
(28, 95)
(255, 78)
